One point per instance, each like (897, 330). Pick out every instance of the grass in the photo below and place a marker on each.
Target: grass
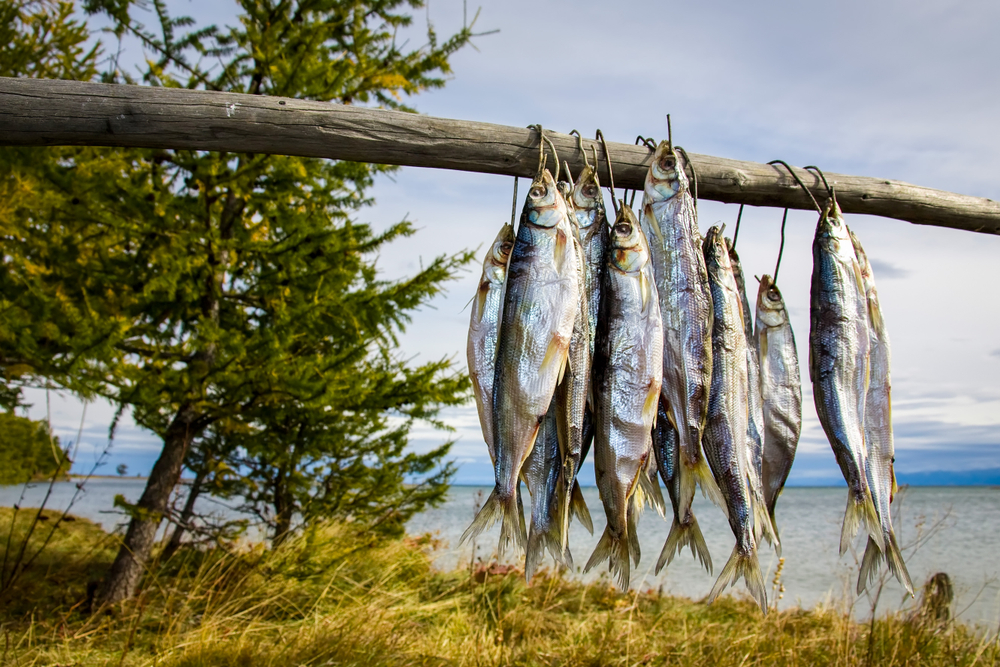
(333, 597)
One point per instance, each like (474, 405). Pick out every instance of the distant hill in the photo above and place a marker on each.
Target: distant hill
(986, 477)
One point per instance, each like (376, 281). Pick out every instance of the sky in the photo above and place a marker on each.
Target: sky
(889, 89)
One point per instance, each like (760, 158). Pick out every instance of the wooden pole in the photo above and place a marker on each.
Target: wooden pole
(38, 112)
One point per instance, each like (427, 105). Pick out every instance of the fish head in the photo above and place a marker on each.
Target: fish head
(544, 206)
(715, 249)
(832, 230)
(495, 266)
(629, 251)
(586, 197)
(770, 303)
(666, 177)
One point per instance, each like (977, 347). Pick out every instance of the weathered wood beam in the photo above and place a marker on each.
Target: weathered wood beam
(35, 112)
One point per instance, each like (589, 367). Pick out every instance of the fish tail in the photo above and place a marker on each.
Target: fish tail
(502, 508)
(744, 565)
(860, 512)
(896, 565)
(613, 549)
(774, 526)
(578, 508)
(538, 542)
(681, 536)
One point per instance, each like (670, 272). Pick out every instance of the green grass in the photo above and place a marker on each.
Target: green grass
(333, 597)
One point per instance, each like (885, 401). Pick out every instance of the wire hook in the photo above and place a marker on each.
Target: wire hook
(694, 174)
(541, 149)
(736, 233)
(799, 181)
(648, 142)
(611, 174)
(579, 144)
(819, 171)
(569, 175)
(781, 248)
(552, 147)
(513, 204)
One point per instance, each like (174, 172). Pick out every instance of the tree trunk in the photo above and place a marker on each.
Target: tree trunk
(284, 506)
(127, 570)
(185, 519)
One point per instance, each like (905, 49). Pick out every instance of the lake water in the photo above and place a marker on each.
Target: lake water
(942, 529)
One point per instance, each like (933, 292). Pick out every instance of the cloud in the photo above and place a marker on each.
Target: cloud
(995, 353)
(884, 269)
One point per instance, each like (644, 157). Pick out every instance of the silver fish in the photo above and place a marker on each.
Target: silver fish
(628, 362)
(878, 435)
(541, 300)
(666, 448)
(838, 364)
(484, 328)
(587, 208)
(541, 474)
(669, 221)
(726, 427)
(781, 390)
(763, 526)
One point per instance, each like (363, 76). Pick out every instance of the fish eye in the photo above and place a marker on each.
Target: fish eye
(773, 294)
(537, 191)
(668, 162)
(590, 191)
(623, 229)
(505, 247)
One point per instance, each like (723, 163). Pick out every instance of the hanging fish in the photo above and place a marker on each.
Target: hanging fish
(628, 362)
(573, 391)
(666, 448)
(726, 427)
(670, 224)
(541, 474)
(878, 435)
(755, 415)
(781, 390)
(839, 345)
(541, 300)
(484, 328)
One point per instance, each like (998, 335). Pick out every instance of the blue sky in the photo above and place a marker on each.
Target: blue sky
(902, 90)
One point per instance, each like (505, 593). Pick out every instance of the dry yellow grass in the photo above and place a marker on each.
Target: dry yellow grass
(332, 597)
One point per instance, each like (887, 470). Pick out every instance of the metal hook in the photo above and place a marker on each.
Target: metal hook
(736, 234)
(611, 174)
(552, 147)
(694, 174)
(513, 204)
(670, 134)
(579, 144)
(781, 248)
(541, 149)
(569, 175)
(799, 181)
(646, 141)
(819, 171)
(632, 201)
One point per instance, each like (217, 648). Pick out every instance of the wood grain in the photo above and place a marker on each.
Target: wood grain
(36, 112)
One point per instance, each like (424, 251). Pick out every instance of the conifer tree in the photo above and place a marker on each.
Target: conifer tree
(231, 291)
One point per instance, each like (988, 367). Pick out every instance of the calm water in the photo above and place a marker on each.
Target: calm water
(943, 529)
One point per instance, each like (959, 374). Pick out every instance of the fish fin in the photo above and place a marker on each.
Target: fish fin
(578, 507)
(763, 525)
(651, 488)
(856, 514)
(556, 355)
(650, 405)
(503, 509)
(681, 536)
(709, 487)
(894, 559)
(615, 551)
(869, 566)
(774, 525)
(634, 510)
(746, 566)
